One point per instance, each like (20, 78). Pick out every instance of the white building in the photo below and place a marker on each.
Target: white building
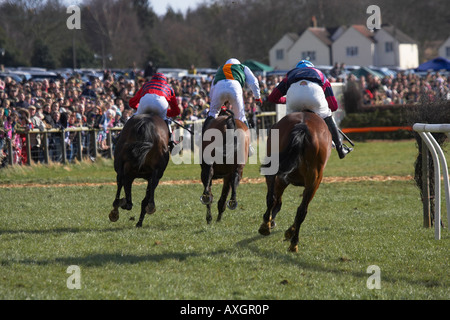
(278, 54)
(395, 49)
(353, 45)
(444, 49)
(356, 47)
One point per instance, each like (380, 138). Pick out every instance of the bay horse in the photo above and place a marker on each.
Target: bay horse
(227, 160)
(304, 148)
(141, 152)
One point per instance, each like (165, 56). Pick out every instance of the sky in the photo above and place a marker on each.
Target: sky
(160, 6)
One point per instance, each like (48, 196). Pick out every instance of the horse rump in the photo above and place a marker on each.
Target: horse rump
(291, 156)
(138, 139)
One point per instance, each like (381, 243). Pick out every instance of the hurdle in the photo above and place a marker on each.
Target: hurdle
(424, 130)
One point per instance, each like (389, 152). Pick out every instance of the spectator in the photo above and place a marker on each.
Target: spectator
(149, 70)
(36, 138)
(88, 92)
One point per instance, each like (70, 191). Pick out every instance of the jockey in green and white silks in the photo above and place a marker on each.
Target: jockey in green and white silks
(228, 85)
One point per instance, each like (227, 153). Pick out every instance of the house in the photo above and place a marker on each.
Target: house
(444, 49)
(395, 49)
(278, 54)
(353, 45)
(313, 44)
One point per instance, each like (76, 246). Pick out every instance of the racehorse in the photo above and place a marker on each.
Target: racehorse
(141, 152)
(304, 148)
(230, 165)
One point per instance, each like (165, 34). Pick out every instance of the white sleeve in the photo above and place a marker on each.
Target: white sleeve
(252, 81)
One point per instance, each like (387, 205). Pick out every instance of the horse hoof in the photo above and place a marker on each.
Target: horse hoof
(264, 229)
(232, 204)
(150, 209)
(114, 215)
(273, 225)
(293, 248)
(206, 199)
(139, 224)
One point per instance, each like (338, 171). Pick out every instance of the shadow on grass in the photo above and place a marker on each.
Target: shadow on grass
(101, 259)
(295, 260)
(60, 230)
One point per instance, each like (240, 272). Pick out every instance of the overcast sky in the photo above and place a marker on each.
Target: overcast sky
(160, 6)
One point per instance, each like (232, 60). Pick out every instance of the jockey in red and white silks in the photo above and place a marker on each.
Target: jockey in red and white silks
(307, 88)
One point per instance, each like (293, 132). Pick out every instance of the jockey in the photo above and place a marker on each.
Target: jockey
(157, 96)
(227, 85)
(307, 88)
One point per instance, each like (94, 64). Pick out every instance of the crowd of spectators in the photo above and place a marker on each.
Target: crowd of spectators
(102, 104)
(397, 89)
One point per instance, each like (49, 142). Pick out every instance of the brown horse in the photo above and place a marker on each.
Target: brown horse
(141, 152)
(226, 160)
(304, 149)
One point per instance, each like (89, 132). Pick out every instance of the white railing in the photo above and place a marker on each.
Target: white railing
(438, 156)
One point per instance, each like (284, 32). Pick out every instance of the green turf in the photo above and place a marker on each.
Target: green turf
(176, 255)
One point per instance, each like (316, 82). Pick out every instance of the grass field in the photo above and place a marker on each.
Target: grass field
(176, 255)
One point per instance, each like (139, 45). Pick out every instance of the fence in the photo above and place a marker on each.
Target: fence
(85, 143)
(438, 156)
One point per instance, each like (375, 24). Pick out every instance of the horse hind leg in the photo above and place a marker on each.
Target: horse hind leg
(148, 203)
(275, 191)
(207, 197)
(232, 203)
(114, 214)
(293, 232)
(128, 203)
(206, 176)
(222, 203)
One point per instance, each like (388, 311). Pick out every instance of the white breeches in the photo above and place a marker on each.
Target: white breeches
(307, 95)
(231, 91)
(152, 103)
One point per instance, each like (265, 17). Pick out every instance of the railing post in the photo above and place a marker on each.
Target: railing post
(79, 146)
(46, 155)
(438, 159)
(109, 142)
(63, 147)
(27, 141)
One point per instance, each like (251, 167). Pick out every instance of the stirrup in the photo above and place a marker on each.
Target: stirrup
(344, 150)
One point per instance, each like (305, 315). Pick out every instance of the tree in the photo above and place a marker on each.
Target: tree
(111, 28)
(42, 56)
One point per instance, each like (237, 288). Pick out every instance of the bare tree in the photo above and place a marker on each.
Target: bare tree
(111, 27)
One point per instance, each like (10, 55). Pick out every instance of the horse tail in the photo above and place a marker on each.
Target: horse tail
(292, 156)
(231, 125)
(145, 140)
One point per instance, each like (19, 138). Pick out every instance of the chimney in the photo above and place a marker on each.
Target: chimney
(313, 22)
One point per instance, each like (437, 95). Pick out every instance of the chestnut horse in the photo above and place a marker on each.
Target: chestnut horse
(222, 164)
(141, 152)
(304, 149)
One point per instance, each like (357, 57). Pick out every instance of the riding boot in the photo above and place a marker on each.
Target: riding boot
(172, 143)
(251, 150)
(342, 149)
